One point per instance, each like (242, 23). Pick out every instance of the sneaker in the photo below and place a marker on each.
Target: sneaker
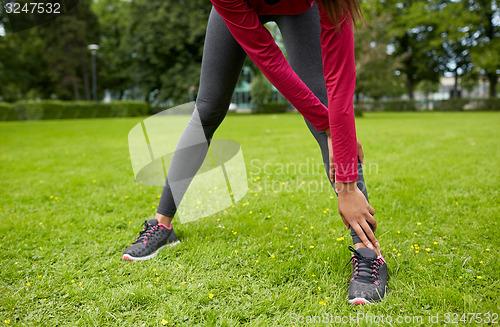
(153, 238)
(369, 277)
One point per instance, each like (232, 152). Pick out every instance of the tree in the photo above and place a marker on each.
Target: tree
(375, 66)
(166, 43)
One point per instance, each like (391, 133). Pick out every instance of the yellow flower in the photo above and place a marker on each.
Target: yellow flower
(417, 251)
(331, 196)
(235, 251)
(286, 228)
(250, 212)
(456, 202)
(93, 181)
(130, 222)
(460, 277)
(325, 261)
(164, 322)
(480, 262)
(7, 321)
(182, 283)
(256, 261)
(435, 243)
(394, 250)
(255, 194)
(272, 256)
(428, 250)
(80, 284)
(237, 232)
(311, 246)
(312, 227)
(291, 246)
(322, 303)
(324, 211)
(73, 281)
(411, 247)
(399, 254)
(327, 298)
(399, 232)
(488, 250)
(414, 233)
(430, 260)
(51, 197)
(419, 223)
(268, 216)
(179, 265)
(313, 275)
(39, 276)
(479, 277)
(319, 288)
(41, 248)
(210, 295)
(340, 239)
(28, 284)
(154, 269)
(126, 196)
(157, 279)
(159, 196)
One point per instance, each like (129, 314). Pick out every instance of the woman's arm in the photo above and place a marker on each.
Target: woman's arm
(340, 76)
(255, 39)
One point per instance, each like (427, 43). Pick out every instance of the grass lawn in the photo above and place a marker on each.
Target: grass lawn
(69, 206)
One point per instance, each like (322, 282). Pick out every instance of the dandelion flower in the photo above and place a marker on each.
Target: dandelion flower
(256, 261)
(327, 298)
(41, 248)
(80, 284)
(7, 321)
(164, 322)
(460, 277)
(399, 254)
(394, 250)
(182, 283)
(399, 232)
(286, 228)
(319, 288)
(417, 251)
(340, 239)
(430, 260)
(272, 256)
(291, 246)
(435, 243)
(39, 276)
(419, 223)
(479, 277)
(73, 281)
(480, 262)
(428, 250)
(487, 250)
(312, 227)
(28, 284)
(237, 232)
(210, 295)
(313, 275)
(311, 246)
(235, 251)
(154, 269)
(322, 303)
(325, 261)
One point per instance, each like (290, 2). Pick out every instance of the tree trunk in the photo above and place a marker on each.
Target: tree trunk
(76, 93)
(493, 79)
(85, 77)
(410, 82)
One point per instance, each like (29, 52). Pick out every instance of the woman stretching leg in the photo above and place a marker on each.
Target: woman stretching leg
(223, 58)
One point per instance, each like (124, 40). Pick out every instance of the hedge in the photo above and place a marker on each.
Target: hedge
(53, 109)
(270, 108)
(459, 104)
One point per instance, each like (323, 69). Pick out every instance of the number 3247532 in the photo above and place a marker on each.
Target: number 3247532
(33, 8)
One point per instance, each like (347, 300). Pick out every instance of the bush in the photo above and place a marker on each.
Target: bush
(7, 112)
(451, 104)
(53, 109)
(270, 108)
(391, 105)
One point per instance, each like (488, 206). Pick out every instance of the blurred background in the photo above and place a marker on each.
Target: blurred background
(411, 55)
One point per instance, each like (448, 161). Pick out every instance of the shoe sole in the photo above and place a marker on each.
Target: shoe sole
(128, 257)
(359, 301)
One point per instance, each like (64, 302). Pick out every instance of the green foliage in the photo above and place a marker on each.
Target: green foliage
(270, 107)
(260, 90)
(36, 110)
(491, 104)
(391, 105)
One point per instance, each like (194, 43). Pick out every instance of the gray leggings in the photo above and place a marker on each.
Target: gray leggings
(222, 62)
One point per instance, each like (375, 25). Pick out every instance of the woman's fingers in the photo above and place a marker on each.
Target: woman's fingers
(361, 155)
(362, 236)
(345, 221)
(371, 210)
(372, 222)
(371, 237)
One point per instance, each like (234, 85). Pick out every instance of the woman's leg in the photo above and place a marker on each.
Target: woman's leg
(302, 38)
(221, 66)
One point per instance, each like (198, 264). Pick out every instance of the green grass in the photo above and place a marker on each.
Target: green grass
(70, 206)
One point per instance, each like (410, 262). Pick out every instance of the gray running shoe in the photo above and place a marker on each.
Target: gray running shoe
(369, 277)
(153, 238)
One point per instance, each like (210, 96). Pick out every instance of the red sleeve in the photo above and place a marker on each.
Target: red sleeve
(340, 76)
(255, 39)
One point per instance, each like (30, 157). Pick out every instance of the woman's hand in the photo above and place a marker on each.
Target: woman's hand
(331, 173)
(356, 212)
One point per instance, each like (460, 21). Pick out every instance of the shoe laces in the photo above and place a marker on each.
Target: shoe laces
(365, 269)
(146, 231)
